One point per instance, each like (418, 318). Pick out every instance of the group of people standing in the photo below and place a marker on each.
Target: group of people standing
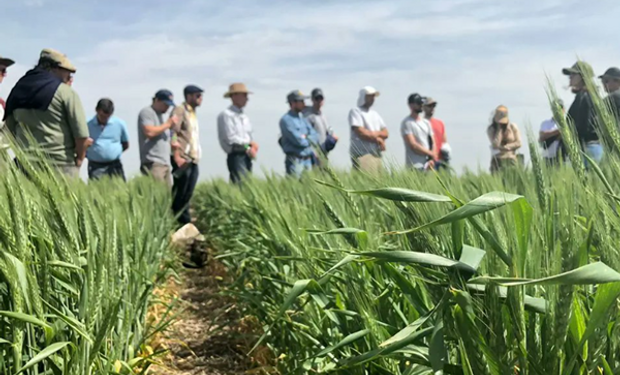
(506, 140)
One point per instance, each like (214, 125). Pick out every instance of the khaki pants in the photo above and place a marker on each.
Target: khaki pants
(368, 163)
(160, 172)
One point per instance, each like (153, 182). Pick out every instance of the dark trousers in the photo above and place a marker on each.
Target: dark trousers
(185, 179)
(239, 166)
(96, 170)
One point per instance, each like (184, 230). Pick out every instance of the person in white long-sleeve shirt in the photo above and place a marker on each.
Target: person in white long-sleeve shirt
(235, 134)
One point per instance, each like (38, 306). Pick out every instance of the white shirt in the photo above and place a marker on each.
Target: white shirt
(552, 150)
(422, 131)
(233, 127)
(370, 120)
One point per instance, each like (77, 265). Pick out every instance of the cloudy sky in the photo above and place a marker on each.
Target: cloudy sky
(470, 55)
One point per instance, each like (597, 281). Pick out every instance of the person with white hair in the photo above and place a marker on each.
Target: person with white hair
(368, 133)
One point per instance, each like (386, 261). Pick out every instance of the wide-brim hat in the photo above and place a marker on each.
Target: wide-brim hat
(237, 88)
(6, 61)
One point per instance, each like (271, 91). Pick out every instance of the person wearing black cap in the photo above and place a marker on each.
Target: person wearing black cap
(611, 81)
(154, 137)
(4, 64)
(582, 110)
(317, 119)
(298, 136)
(186, 152)
(418, 135)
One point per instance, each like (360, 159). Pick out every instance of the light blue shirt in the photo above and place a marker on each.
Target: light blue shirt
(298, 135)
(107, 139)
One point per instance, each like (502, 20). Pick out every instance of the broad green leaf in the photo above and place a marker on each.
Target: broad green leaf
(43, 354)
(413, 257)
(471, 256)
(77, 326)
(437, 348)
(22, 278)
(595, 273)
(535, 304)
(7, 342)
(346, 260)
(490, 238)
(523, 213)
(344, 342)
(395, 194)
(484, 203)
(25, 318)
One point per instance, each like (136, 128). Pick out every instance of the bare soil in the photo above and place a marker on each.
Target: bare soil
(208, 336)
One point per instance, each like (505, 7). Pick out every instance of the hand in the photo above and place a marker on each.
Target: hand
(175, 120)
(431, 165)
(381, 142)
(175, 145)
(89, 142)
(251, 152)
(335, 137)
(179, 160)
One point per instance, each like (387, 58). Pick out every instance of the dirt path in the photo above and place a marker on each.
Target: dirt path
(206, 338)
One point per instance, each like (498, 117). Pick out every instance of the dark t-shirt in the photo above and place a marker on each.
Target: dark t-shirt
(583, 116)
(614, 98)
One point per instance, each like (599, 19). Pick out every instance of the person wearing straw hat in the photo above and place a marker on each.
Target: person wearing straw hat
(43, 105)
(505, 140)
(4, 64)
(611, 81)
(582, 110)
(234, 131)
(368, 133)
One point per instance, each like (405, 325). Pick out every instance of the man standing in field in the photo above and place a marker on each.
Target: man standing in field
(109, 140)
(368, 133)
(44, 106)
(154, 137)
(298, 137)
(611, 81)
(439, 131)
(317, 119)
(4, 65)
(418, 135)
(186, 152)
(582, 111)
(551, 139)
(234, 131)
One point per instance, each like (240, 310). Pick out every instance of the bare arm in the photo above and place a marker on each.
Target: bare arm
(152, 131)
(81, 145)
(544, 135)
(416, 147)
(366, 134)
(383, 133)
(516, 144)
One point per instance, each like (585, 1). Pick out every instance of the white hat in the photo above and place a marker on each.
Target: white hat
(368, 90)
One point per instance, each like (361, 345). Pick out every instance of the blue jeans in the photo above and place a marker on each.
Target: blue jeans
(296, 166)
(595, 151)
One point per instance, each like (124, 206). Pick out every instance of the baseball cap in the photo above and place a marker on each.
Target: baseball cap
(192, 89)
(317, 93)
(429, 101)
(165, 96)
(415, 98)
(611, 73)
(295, 96)
(580, 67)
(58, 57)
(369, 90)
(6, 61)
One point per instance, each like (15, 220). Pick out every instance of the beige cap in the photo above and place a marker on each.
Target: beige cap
(430, 101)
(6, 61)
(237, 88)
(501, 115)
(60, 58)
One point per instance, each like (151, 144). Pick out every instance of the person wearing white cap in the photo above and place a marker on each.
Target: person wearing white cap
(368, 133)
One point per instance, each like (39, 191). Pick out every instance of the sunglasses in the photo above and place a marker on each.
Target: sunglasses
(318, 98)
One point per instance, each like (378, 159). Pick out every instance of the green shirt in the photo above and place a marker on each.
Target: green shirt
(55, 129)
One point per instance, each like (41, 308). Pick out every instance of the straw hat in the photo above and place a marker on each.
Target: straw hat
(237, 88)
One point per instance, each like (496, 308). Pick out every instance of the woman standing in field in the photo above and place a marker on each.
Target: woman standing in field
(505, 140)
